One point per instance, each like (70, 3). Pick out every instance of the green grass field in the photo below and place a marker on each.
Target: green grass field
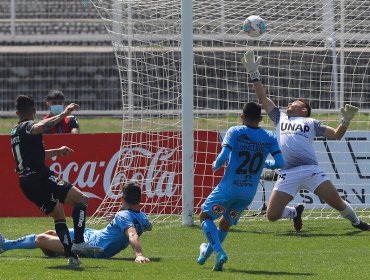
(221, 123)
(88, 125)
(325, 249)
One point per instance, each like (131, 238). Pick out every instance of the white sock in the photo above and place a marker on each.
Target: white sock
(289, 213)
(350, 214)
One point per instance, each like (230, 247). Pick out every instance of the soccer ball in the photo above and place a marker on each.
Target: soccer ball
(254, 26)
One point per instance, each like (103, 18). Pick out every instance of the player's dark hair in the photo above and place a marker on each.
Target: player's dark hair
(55, 95)
(131, 193)
(24, 104)
(308, 106)
(252, 111)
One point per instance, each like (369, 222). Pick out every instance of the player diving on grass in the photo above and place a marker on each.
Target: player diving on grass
(246, 147)
(125, 228)
(296, 131)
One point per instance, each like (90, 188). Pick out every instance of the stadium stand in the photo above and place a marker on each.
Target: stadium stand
(86, 75)
(71, 17)
(83, 77)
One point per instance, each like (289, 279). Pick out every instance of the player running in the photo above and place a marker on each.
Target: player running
(296, 132)
(125, 228)
(248, 146)
(38, 182)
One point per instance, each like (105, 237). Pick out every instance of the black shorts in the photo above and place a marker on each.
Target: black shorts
(44, 191)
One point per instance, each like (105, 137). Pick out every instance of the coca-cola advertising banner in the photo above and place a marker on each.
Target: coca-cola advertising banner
(151, 158)
(154, 159)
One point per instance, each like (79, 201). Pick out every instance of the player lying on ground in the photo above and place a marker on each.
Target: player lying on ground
(296, 131)
(126, 227)
(248, 146)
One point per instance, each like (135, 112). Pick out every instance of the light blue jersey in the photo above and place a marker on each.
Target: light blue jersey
(247, 149)
(112, 238)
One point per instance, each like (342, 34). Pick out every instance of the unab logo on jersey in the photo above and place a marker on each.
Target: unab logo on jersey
(296, 127)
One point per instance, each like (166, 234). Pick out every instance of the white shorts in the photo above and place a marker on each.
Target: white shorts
(307, 177)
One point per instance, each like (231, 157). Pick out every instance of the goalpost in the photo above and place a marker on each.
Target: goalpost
(183, 86)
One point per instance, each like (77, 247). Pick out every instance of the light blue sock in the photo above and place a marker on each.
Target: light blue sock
(25, 242)
(221, 236)
(211, 233)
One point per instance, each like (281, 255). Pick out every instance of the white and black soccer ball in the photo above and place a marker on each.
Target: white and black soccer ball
(254, 26)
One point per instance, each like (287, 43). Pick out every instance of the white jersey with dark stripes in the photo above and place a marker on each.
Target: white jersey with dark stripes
(295, 136)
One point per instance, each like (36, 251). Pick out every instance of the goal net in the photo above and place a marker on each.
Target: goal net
(314, 49)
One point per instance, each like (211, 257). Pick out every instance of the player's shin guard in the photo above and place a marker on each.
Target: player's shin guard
(79, 218)
(350, 214)
(64, 237)
(210, 231)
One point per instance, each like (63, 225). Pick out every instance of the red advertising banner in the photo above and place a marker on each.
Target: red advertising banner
(91, 168)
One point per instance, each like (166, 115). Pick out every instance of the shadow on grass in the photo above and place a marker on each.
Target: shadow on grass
(196, 226)
(238, 229)
(266, 272)
(132, 259)
(67, 267)
(306, 233)
(313, 234)
(17, 257)
(81, 268)
(232, 229)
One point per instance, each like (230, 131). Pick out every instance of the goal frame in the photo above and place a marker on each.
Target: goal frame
(188, 42)
(187, 112)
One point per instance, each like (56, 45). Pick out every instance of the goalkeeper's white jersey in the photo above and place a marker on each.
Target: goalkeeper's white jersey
(295, 136)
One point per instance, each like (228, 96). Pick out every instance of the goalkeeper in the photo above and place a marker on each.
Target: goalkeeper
(125, 228)
(296, 131)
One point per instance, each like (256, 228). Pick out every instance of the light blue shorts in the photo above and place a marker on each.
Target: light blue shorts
(228, 204)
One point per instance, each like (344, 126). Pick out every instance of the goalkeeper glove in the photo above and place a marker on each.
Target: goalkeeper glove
(251, 65)
(348, 112)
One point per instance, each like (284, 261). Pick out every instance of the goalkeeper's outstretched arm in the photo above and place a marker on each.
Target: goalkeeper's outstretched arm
(348, 112)
(266, 102)
(251, 65)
